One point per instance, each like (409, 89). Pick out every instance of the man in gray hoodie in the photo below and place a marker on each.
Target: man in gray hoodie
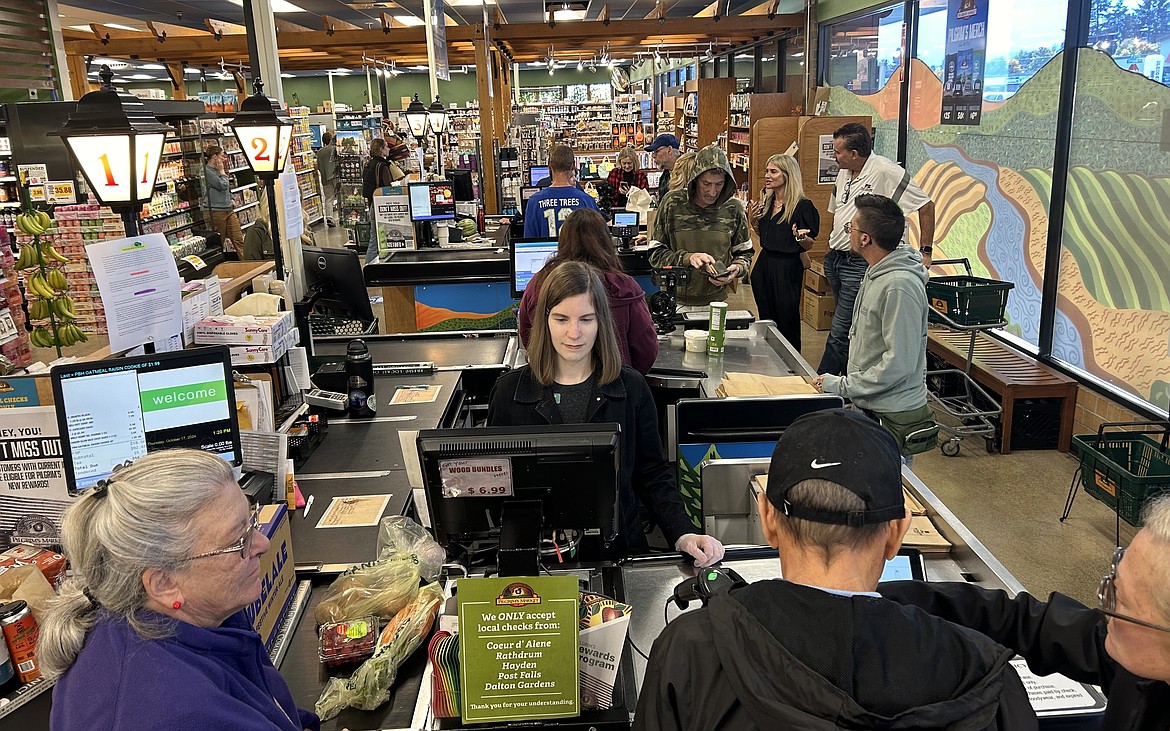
(886, 375)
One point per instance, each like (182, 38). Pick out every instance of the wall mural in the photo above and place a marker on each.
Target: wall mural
(992, 186)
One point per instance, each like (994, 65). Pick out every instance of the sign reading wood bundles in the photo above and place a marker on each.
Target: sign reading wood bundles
(518, 648)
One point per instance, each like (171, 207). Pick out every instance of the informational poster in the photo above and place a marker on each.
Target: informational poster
(435, 14)
(392, 223)
(966, 51)
(18, 391)
(290, 194)
(140, 288)
(35, 177)
(518, 648)
(826, 161)
(354, 511)
(33, 492)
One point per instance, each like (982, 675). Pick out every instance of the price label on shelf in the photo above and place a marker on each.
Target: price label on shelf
(59, 192)
(476, 477)
(195, 262)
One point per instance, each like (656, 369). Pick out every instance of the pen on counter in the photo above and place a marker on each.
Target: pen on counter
(308, 504)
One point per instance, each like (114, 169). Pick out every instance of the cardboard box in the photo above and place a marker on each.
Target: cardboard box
(817, 309)
(816, 282)
(817, 263)
(277, 575)
(248, 330)
(51, 564)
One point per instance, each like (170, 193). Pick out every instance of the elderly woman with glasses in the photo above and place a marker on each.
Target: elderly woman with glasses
(1123, 645)
(149, 631)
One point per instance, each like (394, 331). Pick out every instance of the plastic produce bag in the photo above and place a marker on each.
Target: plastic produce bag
(369, 687)
(378, 588)
(401, 536)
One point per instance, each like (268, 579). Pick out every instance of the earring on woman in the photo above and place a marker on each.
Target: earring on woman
(177, 604)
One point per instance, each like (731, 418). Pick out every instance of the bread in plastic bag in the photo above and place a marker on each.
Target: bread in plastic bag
(399, 535)
(378, 588)
(369, 687)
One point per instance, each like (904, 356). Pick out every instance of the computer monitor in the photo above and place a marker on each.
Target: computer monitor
(527, 257)
(526, 192)
(536, 173)
(462, 185)
(571, 469)
(434, 201)
(625, 218)
(112, 411)
(334, 275)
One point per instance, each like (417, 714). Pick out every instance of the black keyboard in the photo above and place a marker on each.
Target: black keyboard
(324, 325)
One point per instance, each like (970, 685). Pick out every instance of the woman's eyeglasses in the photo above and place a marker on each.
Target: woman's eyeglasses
(243, 546)
(1107, 596)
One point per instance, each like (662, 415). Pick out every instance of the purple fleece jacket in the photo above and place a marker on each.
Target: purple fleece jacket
(198, 678)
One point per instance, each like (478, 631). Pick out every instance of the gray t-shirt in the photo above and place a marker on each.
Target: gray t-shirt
(573, 401)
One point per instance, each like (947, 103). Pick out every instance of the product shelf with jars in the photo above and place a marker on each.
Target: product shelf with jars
(352, 153)
(463, 133)
(743, 111)
(704, 112)
(305, 165)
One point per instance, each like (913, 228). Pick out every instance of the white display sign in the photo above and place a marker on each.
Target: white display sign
(392, 223)
(476, 477)
(140, 288)
(827, 168)
(290, 194)
(33, 491)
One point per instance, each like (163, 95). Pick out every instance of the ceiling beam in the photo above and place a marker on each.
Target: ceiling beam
(332, 25)
(284, 26)
(163, 31)
(223, 29)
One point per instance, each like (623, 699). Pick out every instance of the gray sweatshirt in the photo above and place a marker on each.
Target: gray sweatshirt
(887, 341)
(219, 191)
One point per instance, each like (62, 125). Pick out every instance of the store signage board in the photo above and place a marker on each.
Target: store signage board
(140, 287)
(392, 223)
(35, 177)
(33, 491)
(436, 19)
(290, 194)
(966, 51)
(827, 168)
(61, 192)
(518, 648)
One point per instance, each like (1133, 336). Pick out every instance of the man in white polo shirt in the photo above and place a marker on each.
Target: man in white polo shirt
(862, 171)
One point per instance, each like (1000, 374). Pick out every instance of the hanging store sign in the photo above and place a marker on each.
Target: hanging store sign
(966, 55)
(436, 19)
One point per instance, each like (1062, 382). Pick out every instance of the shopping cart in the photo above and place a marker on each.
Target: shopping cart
(969, 304)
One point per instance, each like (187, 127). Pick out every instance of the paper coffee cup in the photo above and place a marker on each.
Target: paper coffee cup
(696, 341)
(717, 329)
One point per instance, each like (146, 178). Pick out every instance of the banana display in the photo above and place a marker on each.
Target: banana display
(48, 285)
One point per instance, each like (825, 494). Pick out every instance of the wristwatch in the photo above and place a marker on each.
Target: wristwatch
(928, 250)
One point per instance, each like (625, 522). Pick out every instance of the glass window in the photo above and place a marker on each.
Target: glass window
(1113, 314)
(793, 68)
(863, 56)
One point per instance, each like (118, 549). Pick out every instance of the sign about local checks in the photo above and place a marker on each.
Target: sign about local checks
(518, 648)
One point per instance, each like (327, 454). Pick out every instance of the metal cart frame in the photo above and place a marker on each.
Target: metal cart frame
(972, 421)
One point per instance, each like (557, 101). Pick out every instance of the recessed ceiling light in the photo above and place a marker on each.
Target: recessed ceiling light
(153, 67)
(193, 72)
(341, 71)
(278, 6)
(409, 20)
(119, 26)
(80, 27)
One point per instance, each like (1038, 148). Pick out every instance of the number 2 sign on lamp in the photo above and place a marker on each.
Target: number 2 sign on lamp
(264, 132)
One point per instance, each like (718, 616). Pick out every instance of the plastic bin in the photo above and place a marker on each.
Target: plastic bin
(1123, 470)
(968, 300)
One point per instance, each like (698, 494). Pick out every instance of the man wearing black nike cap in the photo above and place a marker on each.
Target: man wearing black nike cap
(820, 648)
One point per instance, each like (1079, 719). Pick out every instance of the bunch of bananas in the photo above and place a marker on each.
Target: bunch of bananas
(46, 284)
(62, 307)
(28, 255)
(64, 334)
(33, 223)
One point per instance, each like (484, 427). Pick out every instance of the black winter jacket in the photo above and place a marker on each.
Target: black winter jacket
(1058, 636)
(778, 655)
(518, 399)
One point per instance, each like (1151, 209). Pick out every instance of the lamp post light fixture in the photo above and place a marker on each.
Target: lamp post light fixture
(265, 134)
(117, 143)
(417, 118)
(437, 118)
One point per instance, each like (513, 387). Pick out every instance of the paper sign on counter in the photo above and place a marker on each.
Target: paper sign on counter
(140, 288)
(354, 511)
(423, 394)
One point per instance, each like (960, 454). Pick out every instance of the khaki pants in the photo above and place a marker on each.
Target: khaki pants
(227, 225)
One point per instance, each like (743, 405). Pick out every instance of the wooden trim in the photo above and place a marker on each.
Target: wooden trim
(178, 80)
(13, 15)
(27, 83)
(27, 59)
(487, 135)
(78, 76)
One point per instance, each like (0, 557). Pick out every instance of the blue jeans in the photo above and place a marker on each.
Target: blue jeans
(844, 271)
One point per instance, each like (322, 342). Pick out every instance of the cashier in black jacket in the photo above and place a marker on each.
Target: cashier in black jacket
(1123, 645)
(575, 375)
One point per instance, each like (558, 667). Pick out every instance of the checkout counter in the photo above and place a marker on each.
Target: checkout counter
(369, 457)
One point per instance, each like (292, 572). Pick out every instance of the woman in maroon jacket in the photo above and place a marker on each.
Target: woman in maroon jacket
(586, 238)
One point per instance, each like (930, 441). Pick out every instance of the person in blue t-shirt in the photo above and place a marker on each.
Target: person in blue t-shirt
(549, 208)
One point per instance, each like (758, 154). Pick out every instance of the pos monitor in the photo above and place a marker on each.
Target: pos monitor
(113, 411)
(537, 173)
(474, 477)
(433, 201)
(526, 258)
(334, 275)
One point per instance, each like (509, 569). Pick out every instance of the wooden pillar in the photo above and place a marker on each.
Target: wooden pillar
(178, 79)
(78, 78)
(811, 55)
(487, 134)
(398, 313)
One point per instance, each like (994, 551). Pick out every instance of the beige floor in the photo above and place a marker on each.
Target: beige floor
(1011, 503)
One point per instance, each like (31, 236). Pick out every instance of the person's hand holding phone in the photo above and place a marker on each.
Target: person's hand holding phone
(700, 260)
(722, 277)
(624, 188)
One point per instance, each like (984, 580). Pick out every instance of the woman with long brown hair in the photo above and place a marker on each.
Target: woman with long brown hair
(575, 375)
(585, 238)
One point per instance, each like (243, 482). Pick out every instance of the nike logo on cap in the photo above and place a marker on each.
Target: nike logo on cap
(819, 465)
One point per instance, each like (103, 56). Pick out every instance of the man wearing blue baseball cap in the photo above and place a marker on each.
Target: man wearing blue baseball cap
(664, 150)
(820, 648)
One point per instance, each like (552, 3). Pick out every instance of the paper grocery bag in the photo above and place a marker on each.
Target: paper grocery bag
(29, 584)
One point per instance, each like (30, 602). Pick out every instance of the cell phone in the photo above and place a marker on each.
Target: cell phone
(716, 271)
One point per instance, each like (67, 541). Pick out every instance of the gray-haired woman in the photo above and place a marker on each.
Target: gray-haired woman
(149, 632)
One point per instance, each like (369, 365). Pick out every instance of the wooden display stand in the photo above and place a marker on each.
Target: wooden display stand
(775, 134)
(762, 106)
(710, 111)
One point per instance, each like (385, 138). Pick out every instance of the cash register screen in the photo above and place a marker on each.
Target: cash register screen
(113, 411)
(528, 257)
